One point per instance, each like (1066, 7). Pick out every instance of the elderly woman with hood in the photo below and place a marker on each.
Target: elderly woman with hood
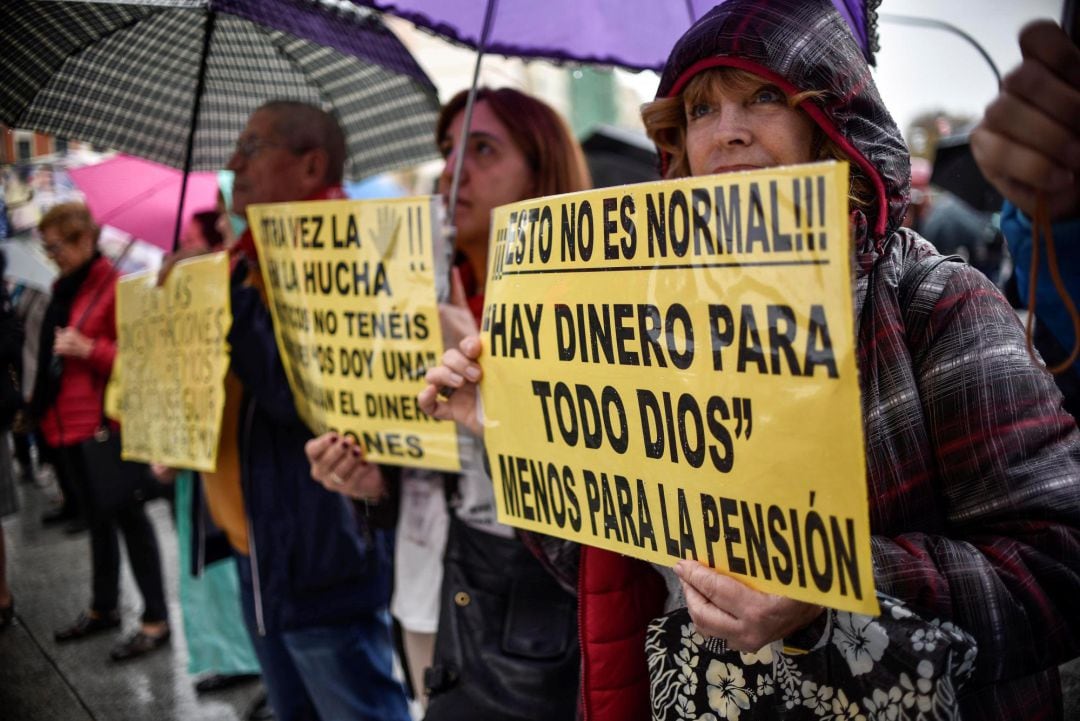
(973, 467)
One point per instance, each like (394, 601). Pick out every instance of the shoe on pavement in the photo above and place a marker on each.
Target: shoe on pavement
(139, 644)
(76, 526)
(87, 625)
(260, 709)
(58, 515)
(221, 681)
(7, 614)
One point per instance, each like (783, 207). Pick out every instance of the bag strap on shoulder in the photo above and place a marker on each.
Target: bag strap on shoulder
(921, 286)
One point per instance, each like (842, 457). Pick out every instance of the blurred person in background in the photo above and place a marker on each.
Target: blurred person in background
(11, 401)
(76, 354)
(953, 226)
(29, 304)
(203, 231)
(220, 653)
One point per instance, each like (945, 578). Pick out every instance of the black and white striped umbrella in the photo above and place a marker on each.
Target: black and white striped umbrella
(126, 75)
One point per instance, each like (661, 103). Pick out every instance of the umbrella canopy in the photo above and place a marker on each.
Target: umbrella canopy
(140, 197)
(955, 170)
(632, 34)
(125, 75)
(617, 156)
(635, 34)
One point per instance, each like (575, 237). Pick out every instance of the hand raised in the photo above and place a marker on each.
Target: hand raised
(452, 393)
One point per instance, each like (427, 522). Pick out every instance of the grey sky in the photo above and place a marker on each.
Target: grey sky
(922, 69)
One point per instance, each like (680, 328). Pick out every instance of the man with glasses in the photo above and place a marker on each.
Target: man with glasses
(314, 577)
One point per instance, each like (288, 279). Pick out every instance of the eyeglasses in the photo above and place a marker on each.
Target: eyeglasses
(248, 148)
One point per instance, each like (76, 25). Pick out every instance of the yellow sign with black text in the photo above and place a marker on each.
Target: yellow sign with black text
(669, 372)
(171, 360)
(351, 287)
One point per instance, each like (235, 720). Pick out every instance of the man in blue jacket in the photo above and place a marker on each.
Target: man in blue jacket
(315, 576)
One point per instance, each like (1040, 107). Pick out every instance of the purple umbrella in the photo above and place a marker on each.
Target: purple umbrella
(635, 35)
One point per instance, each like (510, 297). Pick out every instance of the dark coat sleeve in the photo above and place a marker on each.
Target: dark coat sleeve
(1006, 565)
(254, 353)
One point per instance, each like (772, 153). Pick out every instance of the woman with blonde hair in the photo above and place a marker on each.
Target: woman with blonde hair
(973, 467)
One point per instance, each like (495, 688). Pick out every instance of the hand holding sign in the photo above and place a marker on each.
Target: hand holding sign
(746, 619)
(169, 261)
(460, 373)
(164, 474)
(338, 464)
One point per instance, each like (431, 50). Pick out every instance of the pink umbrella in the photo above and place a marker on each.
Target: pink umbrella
(141, 197)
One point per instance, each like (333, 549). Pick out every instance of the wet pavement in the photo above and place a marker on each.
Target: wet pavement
(40, 680)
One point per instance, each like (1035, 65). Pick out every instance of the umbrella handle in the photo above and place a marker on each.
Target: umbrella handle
(466, 126)
(200, 85)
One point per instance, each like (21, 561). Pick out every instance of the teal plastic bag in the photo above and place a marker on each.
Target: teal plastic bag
(217, 639)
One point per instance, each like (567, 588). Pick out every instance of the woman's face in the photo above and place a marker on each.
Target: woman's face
(495, 172)
(745, 127)
(68, 255)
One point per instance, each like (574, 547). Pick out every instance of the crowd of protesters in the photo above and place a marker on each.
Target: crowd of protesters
(973, 461)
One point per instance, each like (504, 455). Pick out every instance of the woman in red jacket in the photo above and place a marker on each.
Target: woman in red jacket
(78, 346)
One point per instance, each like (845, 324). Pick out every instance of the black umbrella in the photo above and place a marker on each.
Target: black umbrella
(617, 156)
(955, 170)
(174, 80)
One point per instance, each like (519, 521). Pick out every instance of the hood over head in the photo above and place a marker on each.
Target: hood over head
(803, 45)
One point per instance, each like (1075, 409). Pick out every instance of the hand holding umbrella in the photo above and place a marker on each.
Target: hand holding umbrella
(69, 342)
(1029, 140)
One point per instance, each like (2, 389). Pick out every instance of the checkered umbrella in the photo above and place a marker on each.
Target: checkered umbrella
(133, 76)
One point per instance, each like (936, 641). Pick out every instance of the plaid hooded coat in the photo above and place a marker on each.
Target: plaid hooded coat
(973, 467)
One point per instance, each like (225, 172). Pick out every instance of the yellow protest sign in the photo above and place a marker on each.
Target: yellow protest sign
(669, 372)
(172, 357)
(112, 394)
(351, 286)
